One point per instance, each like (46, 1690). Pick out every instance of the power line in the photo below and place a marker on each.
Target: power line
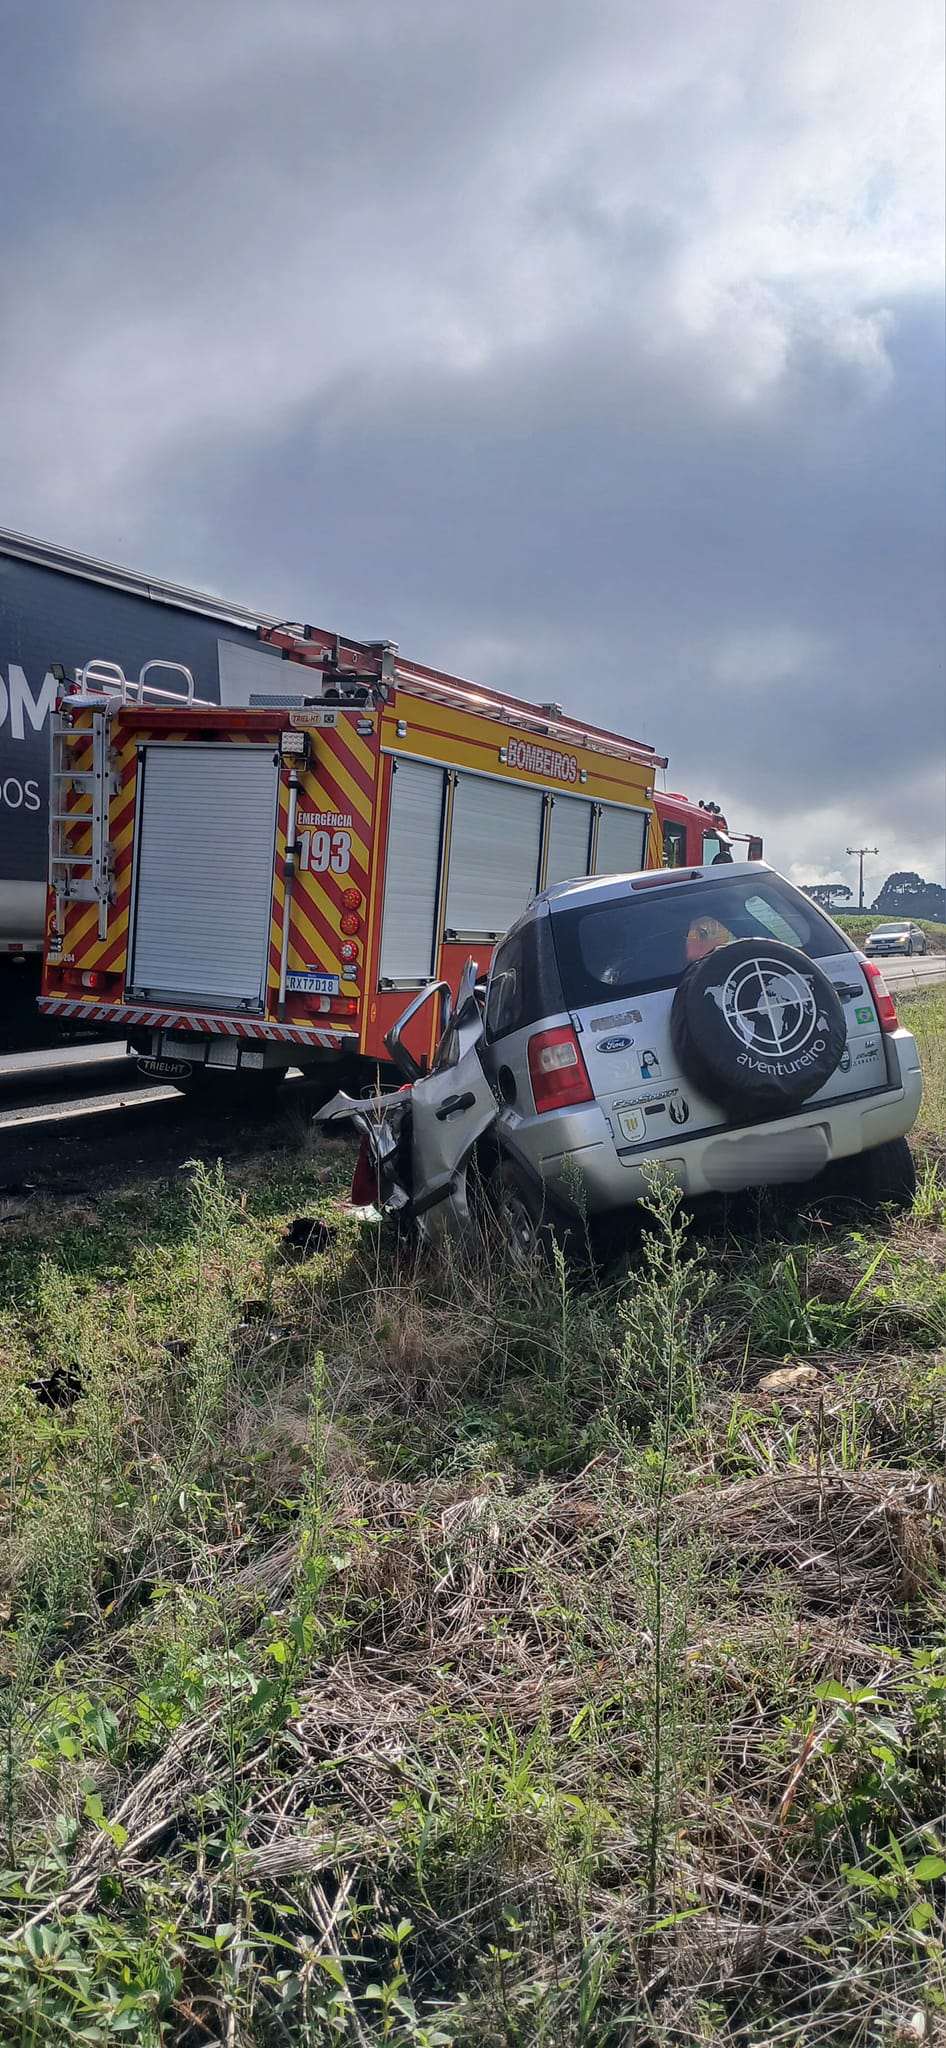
(859, 852)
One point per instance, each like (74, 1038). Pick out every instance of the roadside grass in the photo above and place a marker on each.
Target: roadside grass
(925, 1015)
(432, 1655)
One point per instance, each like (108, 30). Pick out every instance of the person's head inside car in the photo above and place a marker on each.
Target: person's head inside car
(705, 935)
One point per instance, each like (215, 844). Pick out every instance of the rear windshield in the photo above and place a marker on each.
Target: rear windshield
(646, 940)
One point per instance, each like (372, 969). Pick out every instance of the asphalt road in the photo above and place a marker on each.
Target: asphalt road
(77, 1122)
(926, 970)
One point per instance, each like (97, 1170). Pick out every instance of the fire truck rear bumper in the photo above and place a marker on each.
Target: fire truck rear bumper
(135, 1018)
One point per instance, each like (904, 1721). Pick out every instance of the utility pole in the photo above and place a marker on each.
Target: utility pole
(859, 852)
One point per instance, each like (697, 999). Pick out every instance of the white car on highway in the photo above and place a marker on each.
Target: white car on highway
(899, 937)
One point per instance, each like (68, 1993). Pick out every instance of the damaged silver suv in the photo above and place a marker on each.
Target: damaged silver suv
(711, 1018)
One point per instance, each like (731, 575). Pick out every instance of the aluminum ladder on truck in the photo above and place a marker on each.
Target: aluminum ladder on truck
(356, 671)
(101, 688)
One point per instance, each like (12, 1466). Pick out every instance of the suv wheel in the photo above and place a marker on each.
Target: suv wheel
(885, 1174)
(530, 1223)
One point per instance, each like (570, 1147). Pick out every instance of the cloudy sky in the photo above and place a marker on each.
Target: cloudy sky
(586, 347)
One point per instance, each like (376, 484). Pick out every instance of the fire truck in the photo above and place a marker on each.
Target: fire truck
(696, 834)
(238, 890)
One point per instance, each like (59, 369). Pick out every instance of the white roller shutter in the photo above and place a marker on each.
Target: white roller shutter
(569, 839)
(494, 854)
(412, 872)
(204, 887)
(622, 840)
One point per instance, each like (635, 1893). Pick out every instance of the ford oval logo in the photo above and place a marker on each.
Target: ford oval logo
(613, 1044)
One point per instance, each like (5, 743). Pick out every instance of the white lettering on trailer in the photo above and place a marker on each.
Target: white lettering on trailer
(541, 760)
(19, 796)
(333, 818)
(17, 699)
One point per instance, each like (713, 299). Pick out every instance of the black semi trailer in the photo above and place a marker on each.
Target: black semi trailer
(58, 608)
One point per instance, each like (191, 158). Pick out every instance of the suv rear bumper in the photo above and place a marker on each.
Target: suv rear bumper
(568, 1144)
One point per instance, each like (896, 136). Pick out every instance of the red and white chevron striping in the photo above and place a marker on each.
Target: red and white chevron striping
(135, 1015)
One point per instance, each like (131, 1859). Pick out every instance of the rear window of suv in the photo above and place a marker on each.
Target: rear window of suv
(634, 943)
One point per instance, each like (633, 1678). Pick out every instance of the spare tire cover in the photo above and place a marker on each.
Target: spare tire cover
(757, 1027)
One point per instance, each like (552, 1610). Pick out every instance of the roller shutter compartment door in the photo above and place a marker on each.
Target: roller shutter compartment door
(206, 842)
(412, 872)
(494, 855)
(622, 840)
(569, 839)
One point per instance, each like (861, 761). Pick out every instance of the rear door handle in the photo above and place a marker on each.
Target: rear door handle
(453, 1104)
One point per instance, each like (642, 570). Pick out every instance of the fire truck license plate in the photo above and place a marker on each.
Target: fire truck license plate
(313, 984)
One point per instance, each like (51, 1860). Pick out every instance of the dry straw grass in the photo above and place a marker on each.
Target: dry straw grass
(396, 1665)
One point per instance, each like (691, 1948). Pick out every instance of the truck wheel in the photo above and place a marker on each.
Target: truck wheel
(885, 1174)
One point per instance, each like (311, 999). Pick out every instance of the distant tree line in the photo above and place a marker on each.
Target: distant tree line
(906, 895)
(903, 895)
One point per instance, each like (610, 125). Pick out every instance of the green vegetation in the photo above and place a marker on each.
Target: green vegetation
(431, 1656)
(925, 1015)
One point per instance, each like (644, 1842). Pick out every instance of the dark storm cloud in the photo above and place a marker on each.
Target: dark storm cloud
(597, 354)
(761, 596)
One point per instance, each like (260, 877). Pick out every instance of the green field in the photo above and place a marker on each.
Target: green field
(429, 1656)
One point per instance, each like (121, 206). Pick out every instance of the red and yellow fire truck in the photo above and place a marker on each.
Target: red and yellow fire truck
(249, 889)
(695, 835)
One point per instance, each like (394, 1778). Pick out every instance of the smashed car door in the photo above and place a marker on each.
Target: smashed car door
(382, 1120)
(451, 1109)
(418, 1141)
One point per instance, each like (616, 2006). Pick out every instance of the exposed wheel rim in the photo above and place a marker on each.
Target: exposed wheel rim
(519, 1227)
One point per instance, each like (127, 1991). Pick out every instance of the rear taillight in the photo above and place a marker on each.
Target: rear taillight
(77, 977)
(364, 1186)
(557, 1071)
(332, 1006)
(883, 1001)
